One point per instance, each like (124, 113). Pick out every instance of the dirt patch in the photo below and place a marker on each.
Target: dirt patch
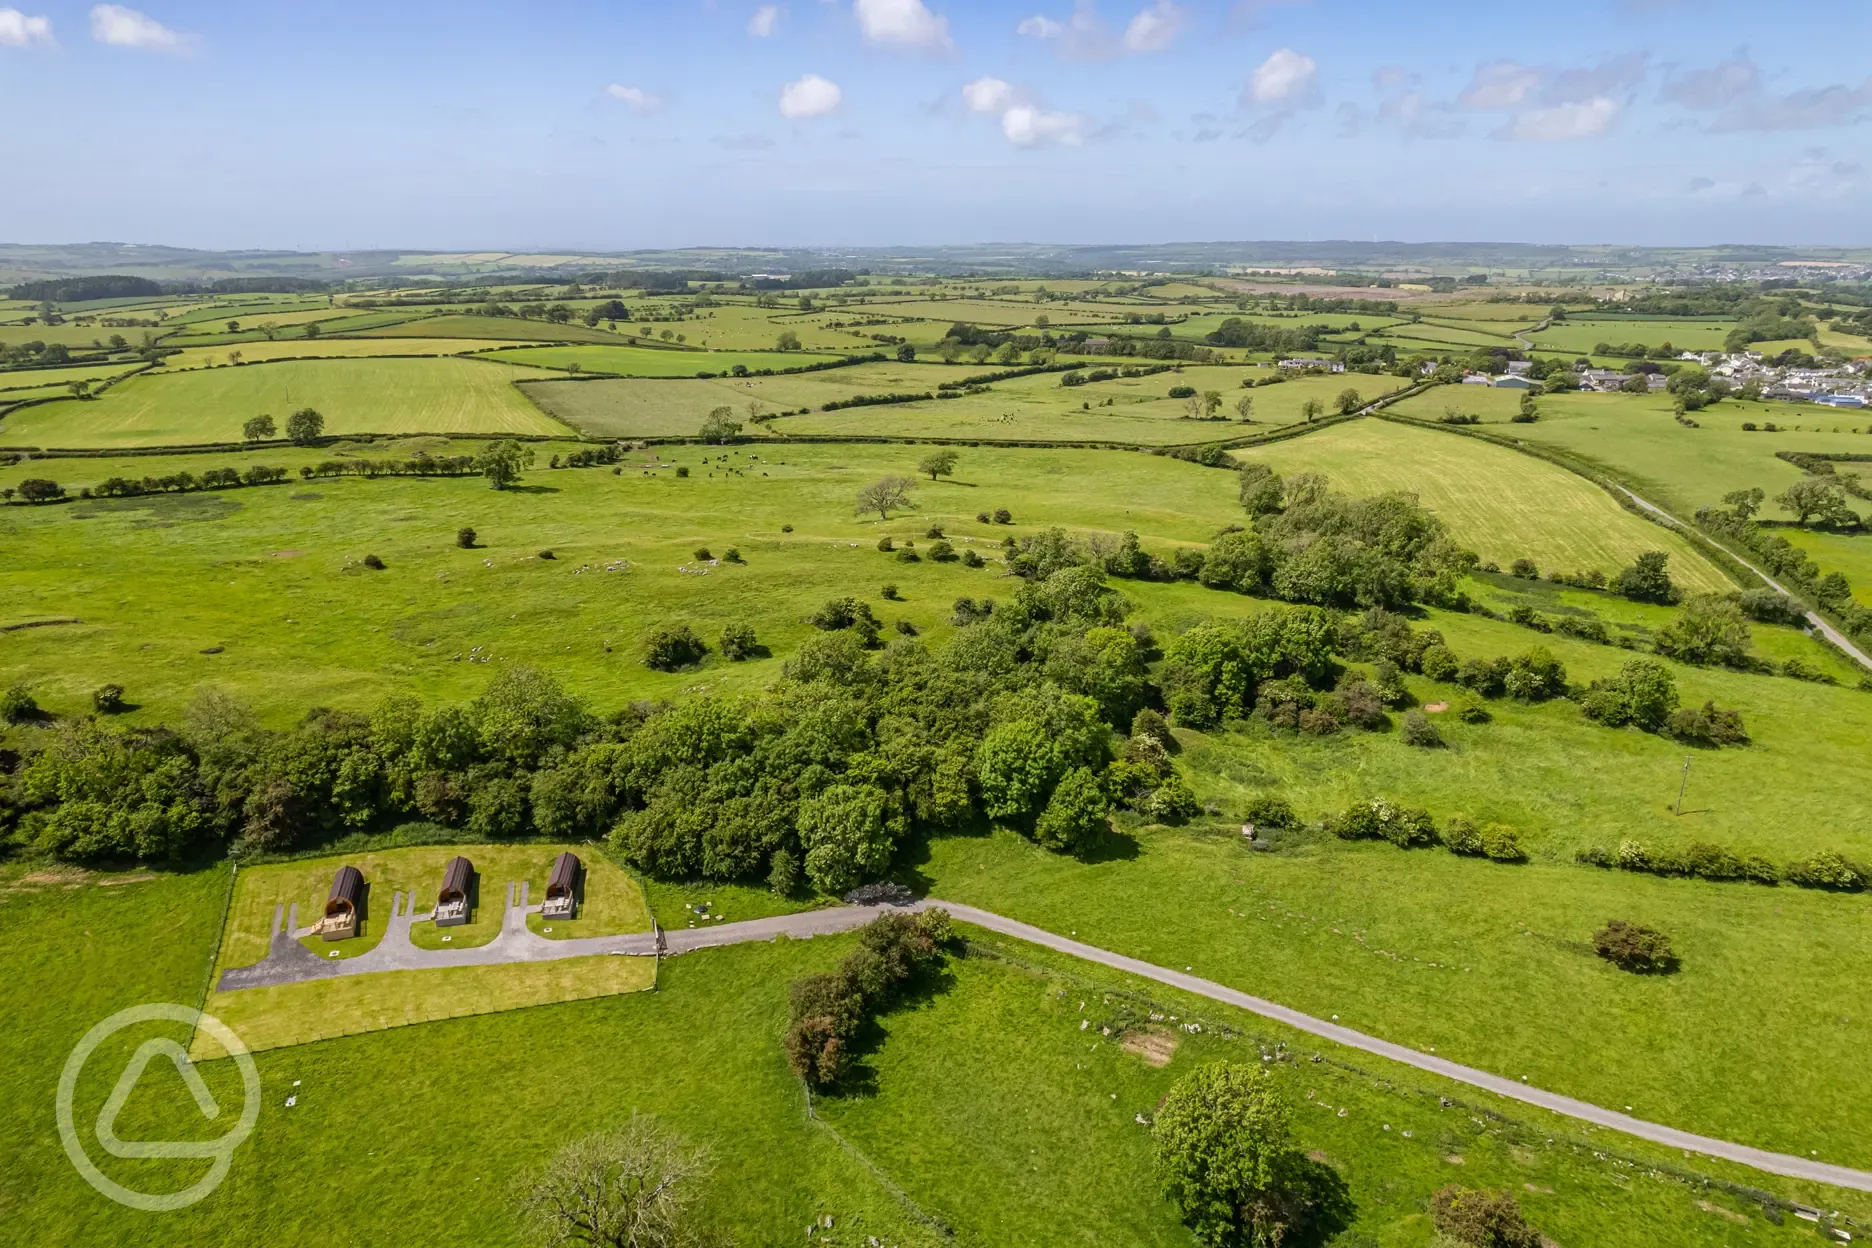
(54, 875)
(1454, 1159)
(1721, 1212)
(287, 554)
(1538, 1191)
(1156, 1045)
(113, 880)
(1434, 708)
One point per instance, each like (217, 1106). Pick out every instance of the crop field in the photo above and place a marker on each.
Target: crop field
(1431, 334)
(355, 396)
(1500, 504)
(650, 361)
(495, 327)
(322, 348)
(203, 323)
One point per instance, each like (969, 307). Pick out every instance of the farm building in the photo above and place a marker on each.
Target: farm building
(451, 908)
(561, 887)
(341, 908)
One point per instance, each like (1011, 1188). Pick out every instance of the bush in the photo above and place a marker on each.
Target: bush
(1148, 723)
(1076, 816)
(830, 1011)
(702, 554)
(374, 563)
(935, 531)
(672, 648)
(465, 538)
(1438, 663)
(1709, 629)
(1470, 711)
(1647, 580)
(907, 627)
(981, 517)
(1419, 731)
(17, 704)
(1003, 516)
(972, 560)
(1707, 725)
(1481, 1219)
(1226, 1158)
(547, 554)
(40, 490)
(732, 555)
(1535, 676)
(1182, 392)
(1636, 948)
(1382, 819)
(682, 470)
(907, 555)
(1830, 871)
(738, 643)
(108, 699)
(783, 873)
(885, 544)
(941, 551)
(1268, 810)
(888, 593)
(1642, 695)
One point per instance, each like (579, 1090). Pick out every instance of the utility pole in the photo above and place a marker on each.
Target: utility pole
(1682, 784)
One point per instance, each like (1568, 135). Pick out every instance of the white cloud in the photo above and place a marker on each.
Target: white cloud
(989, 95)
(1154, 29)
(907, 22)
(19, 31)
(1500, 84)
(1039, 26)
(636, 97)
(811, 96)
(1565, 121)
(127, 28)
(765, 20)
(1027, 126)
(1284, 77)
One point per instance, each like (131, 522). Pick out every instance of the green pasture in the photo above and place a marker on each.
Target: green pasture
(1501, 504)
(71, 335)
(505, 328)
(215, 326)
(1676, 466)
(354, 396)
(1425, 335)
(745, 327)
(37, 379)
(651, 361)
(322, 348)
(1847, 553)
(1581, 335)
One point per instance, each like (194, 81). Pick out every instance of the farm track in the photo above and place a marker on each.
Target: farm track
(291, 962)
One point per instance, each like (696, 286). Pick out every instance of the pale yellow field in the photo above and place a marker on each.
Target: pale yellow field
(324, 348)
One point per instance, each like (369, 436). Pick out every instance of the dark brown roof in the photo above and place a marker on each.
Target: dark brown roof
(565, 871)
(455, 880)
(347, 890)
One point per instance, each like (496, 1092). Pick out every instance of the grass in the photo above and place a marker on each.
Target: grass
(650, 361)
(48, 378)
(1846, 553)
(354, 396)
(1637, 438)
(1499, 503)
(493, 327)
(1580, 336)
(1030, 1147)
(326, 1009)
(323, 348)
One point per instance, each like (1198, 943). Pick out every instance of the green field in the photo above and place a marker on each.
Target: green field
(500, 327)
(650, 361)
(354, 396)
(37, 379)
(322, 348)
(1581, 335)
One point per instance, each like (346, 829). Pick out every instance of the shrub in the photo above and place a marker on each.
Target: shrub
(888, 593)
(1171, 801)
(702, 554)
(1524, 568)
(1268, 809)
(885, 544)
(1182, 392)
(941, 551)
(1462, 836)
(1535, 676)
(1709, 629)
(981, 517)
(1226, 1158)
(1419, 731)
(1829, 870)
(1471, 711)
(1707, 725)
(373, 562)
(1647, 580)
(673, 647)
(547, 554)
(1642, 695)
(1481, 1219)
(17, 704)
(829, 1011)
(465, 538)
(972, 560)
(934, 531)
(1502, 843)
(1634, 947)
(1076, 816)
(1003, 516)
(907, 555)
(732, 555)
(108, 699)
(907, 627)
(1769, 606)
(738, 642)
(783, 873)
(1382, 819)
(1148, 723)
(1438, 663)
(682, 470)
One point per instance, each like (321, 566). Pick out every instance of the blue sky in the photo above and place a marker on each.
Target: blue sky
(407, 123)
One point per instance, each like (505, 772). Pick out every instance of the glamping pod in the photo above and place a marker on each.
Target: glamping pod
(561, 887)
(341, 908)
(451, 908)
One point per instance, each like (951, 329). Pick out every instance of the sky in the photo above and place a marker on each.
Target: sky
(568, 125)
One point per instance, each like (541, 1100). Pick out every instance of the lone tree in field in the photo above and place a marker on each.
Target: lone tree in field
(938, 464)
(787, 341)
(304, 426)
(259, 428)
(635, 1187)
(884, 494)
(1226, 1159)
(79, 389)
(1244, 409)
(720, 427)
(1349, 401)
(504, 461)
(1481, 1219)
(1311, 410)
(1635, 947)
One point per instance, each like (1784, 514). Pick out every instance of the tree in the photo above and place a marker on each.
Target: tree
(1349, 401)
(1744, 503)
(787, 341)
(304, 426)
(1244, 409)
(312, 330)
(1077, 815)
(79, 389)
(1709, 629)
(635, 1187)
(1811, 498)
(1647, 580)
(465, 537)
(738, 643)
(502, 462)
(673, 647)
(1481, 1219)
(1311, 410)
(906, 354)
(1634, 947)
(1643, 694)
(720, 427)
(1212, 403)
(259, 428)
(884, 494)
(40, 490)
(938, 464)
(1225, 1156)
